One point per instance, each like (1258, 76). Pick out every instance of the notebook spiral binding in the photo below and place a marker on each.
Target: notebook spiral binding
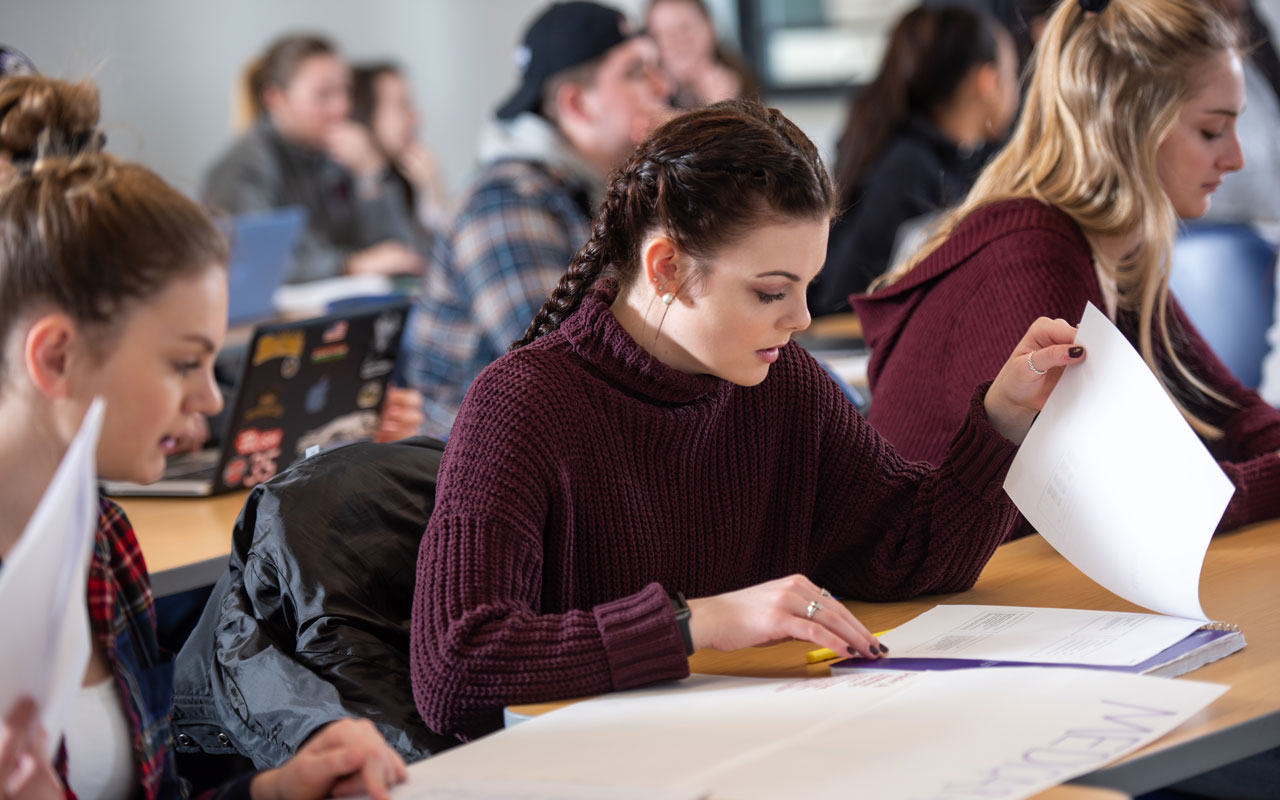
(1219, 626)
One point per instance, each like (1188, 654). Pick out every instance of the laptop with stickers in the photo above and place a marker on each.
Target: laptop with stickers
(305, 387)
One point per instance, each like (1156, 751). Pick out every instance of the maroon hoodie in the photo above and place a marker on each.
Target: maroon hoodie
(952, 322)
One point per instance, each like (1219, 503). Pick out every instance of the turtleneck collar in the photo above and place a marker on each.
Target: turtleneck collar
(595, 334)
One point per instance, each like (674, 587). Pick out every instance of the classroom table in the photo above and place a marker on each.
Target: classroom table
(834, 326)
(1238, 585)
(185, 540)
(1073, 792)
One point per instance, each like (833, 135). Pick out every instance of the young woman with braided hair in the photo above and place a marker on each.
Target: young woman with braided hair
(654, 434)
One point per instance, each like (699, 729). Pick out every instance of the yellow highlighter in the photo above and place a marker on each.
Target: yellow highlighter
(826, 653)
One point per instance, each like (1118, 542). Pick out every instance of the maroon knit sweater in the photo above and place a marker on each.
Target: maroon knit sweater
(584, 480)
(954, 319)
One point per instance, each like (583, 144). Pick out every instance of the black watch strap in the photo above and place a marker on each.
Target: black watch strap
(680, 607)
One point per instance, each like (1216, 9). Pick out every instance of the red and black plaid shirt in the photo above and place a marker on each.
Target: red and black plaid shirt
(122, 620)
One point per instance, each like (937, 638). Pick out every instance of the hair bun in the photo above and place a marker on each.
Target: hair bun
(41, 117)
(55, 143)
(1094, 6)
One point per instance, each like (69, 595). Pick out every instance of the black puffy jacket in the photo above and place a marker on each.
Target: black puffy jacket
(310, 621)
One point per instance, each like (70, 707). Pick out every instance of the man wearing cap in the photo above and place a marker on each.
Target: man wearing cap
(590, 92)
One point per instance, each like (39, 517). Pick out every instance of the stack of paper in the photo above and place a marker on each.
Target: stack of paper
(965, 637)
(314, 297)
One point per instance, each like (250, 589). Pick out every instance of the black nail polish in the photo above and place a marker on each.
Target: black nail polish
(875, 651)
(1076, 352)
(852, 652)
(884, 648)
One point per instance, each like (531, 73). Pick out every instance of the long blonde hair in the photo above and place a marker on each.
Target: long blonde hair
(1104, 91)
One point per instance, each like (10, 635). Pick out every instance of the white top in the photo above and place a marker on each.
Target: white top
(100, 763)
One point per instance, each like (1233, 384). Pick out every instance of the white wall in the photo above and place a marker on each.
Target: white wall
(167, 68)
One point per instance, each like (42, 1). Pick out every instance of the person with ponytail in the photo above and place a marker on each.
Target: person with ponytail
(1129, 124)
(654, 436)
(916, 138)
(302, 149)
(113, 285)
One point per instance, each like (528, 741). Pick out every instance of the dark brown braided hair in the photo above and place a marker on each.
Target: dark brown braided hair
(704, 179)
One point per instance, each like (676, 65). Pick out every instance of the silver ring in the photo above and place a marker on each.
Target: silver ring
(825, 593)
(814, 608)
(1032, 364)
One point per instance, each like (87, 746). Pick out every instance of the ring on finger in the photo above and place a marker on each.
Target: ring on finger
(814, 608)
(1032, 364)
(825, 593)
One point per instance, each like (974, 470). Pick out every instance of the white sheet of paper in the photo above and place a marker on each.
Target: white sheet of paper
(1040, 635)
(45, 629)
(1116, 480)
(862, 734)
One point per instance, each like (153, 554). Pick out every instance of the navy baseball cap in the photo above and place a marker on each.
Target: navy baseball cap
(564, 36)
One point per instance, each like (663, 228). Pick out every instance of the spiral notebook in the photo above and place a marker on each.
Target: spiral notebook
(1203, 646)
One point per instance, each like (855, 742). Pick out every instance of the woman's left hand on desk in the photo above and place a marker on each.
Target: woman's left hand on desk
(778, 611)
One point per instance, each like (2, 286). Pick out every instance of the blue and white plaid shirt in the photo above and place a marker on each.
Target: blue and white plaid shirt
(490, 271)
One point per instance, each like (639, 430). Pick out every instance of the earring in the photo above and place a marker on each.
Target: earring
(668, 298)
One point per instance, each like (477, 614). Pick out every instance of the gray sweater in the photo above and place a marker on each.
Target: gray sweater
(263, 171)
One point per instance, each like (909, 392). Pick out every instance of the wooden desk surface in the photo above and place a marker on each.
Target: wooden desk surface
(1073, 792)
(185, 540)
(834, 326)
(1238, 584)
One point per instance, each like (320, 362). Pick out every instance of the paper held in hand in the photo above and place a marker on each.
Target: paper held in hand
(1114, 478)
(42, 587)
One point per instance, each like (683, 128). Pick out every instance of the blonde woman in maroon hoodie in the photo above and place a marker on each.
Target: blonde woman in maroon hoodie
(1129, 124)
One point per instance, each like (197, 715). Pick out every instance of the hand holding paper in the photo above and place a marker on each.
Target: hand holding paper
(1027, 378)
(1113, 477)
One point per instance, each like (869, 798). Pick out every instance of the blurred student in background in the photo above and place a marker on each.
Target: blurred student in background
(381, 101)
(702, 70)
(590, 92)
(915, 139)
(302, 149)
